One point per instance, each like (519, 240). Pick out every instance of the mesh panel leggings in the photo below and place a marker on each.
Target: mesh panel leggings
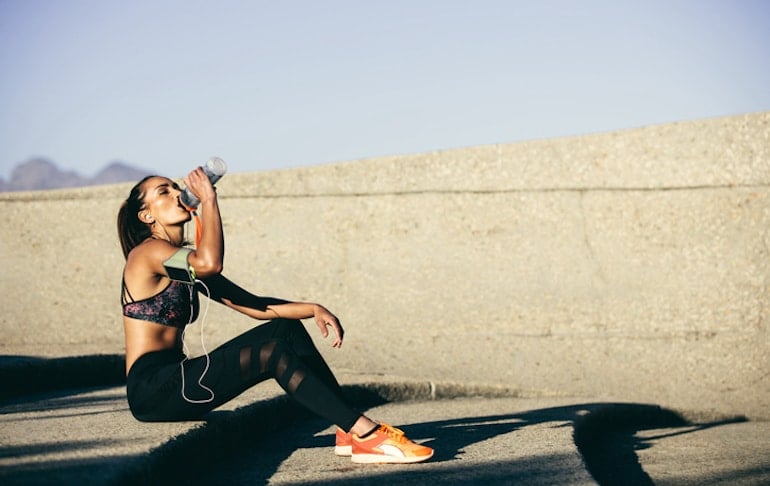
(281, 349)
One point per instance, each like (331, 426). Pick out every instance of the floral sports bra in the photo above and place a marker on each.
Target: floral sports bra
(175, 306)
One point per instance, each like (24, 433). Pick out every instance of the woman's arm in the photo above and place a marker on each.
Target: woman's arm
(228, 293)
(208, 257)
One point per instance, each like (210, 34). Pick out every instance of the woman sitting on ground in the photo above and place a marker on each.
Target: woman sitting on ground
(164, 385)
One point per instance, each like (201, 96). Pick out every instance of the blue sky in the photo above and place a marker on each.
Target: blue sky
(165, 84)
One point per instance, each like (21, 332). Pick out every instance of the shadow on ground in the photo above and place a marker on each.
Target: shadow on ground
(24, 375)
(603, 432)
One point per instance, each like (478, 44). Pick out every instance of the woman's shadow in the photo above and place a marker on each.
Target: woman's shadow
(604, 433)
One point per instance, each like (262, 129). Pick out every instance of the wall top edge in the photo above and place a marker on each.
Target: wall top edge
(717, 152)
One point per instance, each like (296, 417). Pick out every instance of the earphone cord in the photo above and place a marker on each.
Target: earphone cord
(203, 345)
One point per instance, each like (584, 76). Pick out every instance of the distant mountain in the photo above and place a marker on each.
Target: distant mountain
(40, 174)
(118, 172)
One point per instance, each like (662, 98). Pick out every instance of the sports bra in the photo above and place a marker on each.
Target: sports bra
(175, 306)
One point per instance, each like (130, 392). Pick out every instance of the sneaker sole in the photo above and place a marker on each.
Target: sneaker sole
(343, 450)
(384, 459)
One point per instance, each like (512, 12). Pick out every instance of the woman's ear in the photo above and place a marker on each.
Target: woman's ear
(145, 217)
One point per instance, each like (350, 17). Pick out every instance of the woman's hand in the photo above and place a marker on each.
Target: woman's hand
(325, 319)
(200, 185)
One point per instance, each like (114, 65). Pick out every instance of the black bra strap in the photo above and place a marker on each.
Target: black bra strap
(124, 291)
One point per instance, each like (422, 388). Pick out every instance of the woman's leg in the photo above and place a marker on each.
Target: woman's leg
(280, 349)
(294, 332)
(160, 392)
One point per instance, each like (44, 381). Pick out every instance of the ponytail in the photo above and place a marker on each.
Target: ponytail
(131, 231)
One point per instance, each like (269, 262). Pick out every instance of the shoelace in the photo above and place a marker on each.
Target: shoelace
(395, 434)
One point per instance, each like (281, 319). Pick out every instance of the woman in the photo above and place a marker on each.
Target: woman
(163, 385)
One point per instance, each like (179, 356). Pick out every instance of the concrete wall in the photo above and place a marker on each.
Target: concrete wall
(630, 265)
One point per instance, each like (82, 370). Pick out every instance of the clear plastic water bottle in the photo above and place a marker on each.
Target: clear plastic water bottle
(214, 168)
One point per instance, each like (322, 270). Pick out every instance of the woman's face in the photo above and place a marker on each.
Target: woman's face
(161, 203)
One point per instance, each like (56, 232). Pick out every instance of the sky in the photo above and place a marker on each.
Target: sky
(165, 84)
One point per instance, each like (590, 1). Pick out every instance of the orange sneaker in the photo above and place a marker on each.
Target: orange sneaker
(343, 445)
(387, 445)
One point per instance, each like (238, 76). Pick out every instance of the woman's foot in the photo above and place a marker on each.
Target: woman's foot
(385, 445)
(343, 445)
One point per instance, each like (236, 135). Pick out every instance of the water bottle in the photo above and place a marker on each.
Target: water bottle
(214, 168)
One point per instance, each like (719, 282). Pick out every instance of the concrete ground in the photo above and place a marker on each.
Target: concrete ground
(490, 435)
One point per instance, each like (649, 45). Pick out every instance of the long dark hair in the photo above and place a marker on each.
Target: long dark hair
(131, 231)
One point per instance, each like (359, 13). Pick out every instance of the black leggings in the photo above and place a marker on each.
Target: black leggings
(281, 349)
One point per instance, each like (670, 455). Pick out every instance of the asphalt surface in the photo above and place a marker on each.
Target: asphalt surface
(88, 436)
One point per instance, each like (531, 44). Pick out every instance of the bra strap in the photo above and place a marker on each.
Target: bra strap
(124, 291)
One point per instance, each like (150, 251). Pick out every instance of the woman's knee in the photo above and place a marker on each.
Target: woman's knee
(288, 324)
(289, 329)
(270, 330)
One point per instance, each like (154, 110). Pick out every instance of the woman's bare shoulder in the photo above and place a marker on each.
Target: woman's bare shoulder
(151, 248)
(147, 258)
